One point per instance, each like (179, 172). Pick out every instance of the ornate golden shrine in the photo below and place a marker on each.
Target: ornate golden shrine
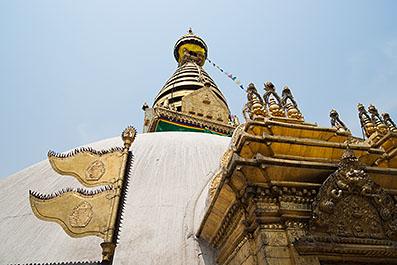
(291, 192)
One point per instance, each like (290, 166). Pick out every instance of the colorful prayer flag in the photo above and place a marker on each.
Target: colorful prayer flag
(230, 75)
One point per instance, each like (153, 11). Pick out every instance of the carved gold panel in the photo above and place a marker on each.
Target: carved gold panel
(79, 214)
(204, 103)
(91, 168)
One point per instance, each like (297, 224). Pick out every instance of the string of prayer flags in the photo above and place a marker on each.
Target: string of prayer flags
(230, 75)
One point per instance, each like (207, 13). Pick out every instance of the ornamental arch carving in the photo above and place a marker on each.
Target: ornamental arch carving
(351, 204)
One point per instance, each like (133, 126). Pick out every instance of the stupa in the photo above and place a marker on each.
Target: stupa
(280, 190)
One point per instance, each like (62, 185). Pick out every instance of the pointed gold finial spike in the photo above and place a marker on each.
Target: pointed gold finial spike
(128, 137)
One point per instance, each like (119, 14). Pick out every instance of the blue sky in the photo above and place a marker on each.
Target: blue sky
(74, 72)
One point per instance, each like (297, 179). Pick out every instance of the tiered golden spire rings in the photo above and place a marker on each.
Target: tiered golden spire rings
(272, 105)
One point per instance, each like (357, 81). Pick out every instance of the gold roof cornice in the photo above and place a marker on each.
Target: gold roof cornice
(183, 117)
(274, 153)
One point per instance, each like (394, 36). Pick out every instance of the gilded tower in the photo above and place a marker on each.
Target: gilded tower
(190, 100)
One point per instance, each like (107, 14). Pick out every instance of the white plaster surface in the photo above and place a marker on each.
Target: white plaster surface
(165, 203)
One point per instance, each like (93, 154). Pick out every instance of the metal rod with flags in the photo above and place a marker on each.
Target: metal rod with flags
(96, 212)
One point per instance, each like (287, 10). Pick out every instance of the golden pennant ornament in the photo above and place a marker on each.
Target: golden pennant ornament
(81, 212)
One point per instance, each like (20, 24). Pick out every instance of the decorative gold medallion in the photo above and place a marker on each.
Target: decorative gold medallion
(95, 170)
(90, 167)
(80, 212)
(81, 215)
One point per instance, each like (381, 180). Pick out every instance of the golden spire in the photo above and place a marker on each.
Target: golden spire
(190, 51)
(190, 47)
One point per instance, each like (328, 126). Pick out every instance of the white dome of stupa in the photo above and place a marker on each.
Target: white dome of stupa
(169, 183)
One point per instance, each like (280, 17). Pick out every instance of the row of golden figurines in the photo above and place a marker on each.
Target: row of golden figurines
(372, 122)
(271, 104)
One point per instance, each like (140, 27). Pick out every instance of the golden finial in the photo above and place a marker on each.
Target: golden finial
(389, 122)
(360, 106)
(336, 122)
(377, 120)
(365, 120)
(254, 109)
(289, 104)
(272, 100)
(128, 137)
